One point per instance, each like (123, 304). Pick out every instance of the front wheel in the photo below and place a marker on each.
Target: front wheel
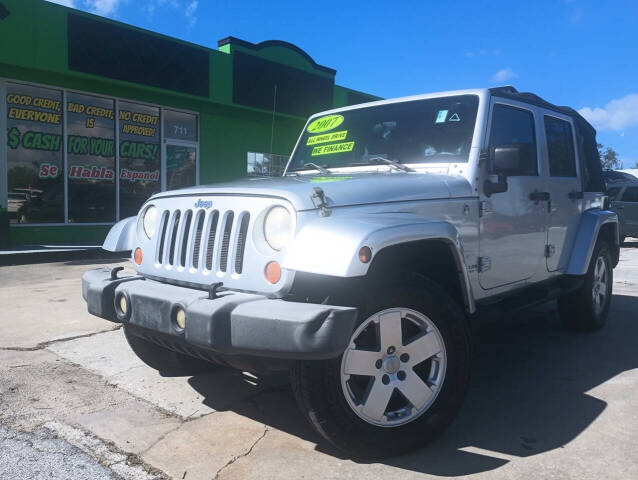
(401, 379)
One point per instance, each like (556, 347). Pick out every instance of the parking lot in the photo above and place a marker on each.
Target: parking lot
(77, 403)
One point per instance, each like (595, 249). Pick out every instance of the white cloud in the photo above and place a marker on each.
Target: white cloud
(618, 114)
(66, 3)
(504, 75)
(191, 9)
(102, 7)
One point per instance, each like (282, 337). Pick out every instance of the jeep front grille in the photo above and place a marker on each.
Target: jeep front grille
(198, 239)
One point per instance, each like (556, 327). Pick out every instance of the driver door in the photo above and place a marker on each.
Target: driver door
(512, 224)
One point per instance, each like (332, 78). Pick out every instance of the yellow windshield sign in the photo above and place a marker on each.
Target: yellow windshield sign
(332, 148)
(327, 137)
(325, 123)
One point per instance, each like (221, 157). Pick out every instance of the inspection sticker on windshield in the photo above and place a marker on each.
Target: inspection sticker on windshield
(327, 137)
(440, 117)
(325, 123)
(332, 148)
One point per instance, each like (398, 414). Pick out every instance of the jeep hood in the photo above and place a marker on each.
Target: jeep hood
(340, 190)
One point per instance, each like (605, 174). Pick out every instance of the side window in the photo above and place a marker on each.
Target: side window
(560, 147)
(630, 195)
(613, 192)
(514, 127)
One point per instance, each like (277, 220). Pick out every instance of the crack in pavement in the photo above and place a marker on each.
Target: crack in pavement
(243, 455)
(43, 345)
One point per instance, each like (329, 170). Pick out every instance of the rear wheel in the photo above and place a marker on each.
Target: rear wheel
(399, 382)
(587, 308)
(164, 360)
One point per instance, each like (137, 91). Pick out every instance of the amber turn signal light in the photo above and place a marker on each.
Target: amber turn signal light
(365, 254)
(272, 272)
(137, 256)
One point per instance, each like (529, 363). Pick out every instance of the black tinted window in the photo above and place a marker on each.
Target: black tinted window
(630, 195)
(560, 147)
(515, 126)
(612, 193)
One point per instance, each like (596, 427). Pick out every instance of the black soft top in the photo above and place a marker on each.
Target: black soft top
(586, 135)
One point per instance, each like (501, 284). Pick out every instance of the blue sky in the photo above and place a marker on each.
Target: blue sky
(578, 53)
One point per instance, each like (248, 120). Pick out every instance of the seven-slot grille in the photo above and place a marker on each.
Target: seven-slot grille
(203, 239)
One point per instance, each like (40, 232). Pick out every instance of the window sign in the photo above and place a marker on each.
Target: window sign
(181, 165)
(91, 158)
(180, 125)
(139, 156)
(34, 154)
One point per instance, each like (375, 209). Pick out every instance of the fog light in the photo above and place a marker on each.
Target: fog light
(272, 272)
(365, 254)
(180, 318)
(137, 256)
(123, 304)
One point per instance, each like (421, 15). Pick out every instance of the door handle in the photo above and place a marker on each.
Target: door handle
(537, 196)
(574, 195)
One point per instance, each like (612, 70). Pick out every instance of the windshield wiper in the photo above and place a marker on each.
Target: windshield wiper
(321, 169)
(392, 163)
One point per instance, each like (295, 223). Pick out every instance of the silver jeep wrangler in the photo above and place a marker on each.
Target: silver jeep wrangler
(395, 224)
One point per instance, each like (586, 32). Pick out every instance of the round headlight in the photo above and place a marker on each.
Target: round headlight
(149, 221)
(278, 227)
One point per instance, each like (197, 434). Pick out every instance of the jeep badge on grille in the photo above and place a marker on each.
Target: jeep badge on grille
(203, 203)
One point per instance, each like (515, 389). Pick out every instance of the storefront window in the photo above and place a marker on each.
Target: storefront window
(181, 166)
(266, 164)
(91, 158)
(180, 125)
(53, 132)
(139, 156)
(34, 154)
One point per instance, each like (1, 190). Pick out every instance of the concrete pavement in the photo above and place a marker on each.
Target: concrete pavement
(543, 402)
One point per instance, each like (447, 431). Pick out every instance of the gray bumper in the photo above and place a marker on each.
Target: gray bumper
(232, 323)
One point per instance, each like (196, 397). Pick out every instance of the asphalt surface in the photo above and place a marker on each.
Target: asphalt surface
(42, 455)
(75, 402)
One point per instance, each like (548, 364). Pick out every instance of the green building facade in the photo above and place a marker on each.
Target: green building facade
(99, 115)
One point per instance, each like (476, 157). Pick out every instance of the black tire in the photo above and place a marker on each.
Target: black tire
(318, 390)
(578, 311)
(167, 362)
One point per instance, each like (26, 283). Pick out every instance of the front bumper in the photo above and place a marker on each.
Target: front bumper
(232, 323)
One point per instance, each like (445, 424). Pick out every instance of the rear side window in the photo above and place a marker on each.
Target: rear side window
(612, 193)
(560, 147)
(515, 126)
(630, 195)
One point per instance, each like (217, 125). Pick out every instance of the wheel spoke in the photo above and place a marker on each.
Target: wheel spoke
(415, 390)
(377, 400)
(422, 348)
(390, 330)
(360, 362)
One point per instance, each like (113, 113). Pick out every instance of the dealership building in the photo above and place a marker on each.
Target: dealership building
(100, 115)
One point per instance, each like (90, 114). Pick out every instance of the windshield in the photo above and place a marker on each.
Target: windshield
(435, 130)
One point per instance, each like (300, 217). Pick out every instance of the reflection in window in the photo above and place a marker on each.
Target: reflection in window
(180, 166)
(560, 147)
(91, 158)
(139, 156)
(266, 165)
(34, 154)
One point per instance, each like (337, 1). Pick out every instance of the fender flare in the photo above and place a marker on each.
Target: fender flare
(330, 246)
(590, 224)
(121, 236)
